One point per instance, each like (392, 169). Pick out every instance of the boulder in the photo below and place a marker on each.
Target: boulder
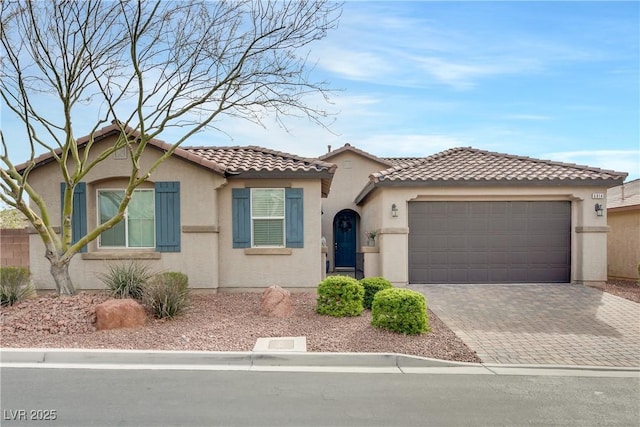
(276, 302)
(120, 313)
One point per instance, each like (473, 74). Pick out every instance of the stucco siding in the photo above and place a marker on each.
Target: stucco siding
(623, 245)
(351, 175)
(588, 232)
(254, 268)
(198, 211)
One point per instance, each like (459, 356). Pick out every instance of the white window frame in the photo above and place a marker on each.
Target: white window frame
(125, 219)
(283, 218)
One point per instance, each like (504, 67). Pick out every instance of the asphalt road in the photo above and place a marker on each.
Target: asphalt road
(84, 397)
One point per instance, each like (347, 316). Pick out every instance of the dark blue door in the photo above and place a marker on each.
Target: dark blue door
(344, 235)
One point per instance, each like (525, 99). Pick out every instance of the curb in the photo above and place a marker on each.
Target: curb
(282, 361)
(248, 358)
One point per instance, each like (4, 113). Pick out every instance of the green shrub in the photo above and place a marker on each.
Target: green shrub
(126, 280)
(340, 296)
(400, 310)
(373, 285)
(167, 294)
(15, 285)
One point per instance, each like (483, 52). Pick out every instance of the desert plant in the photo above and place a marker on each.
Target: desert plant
(373, 285)
(340, 296)
(15, 285)
(126, 280)
(400, 310)
(167, 294)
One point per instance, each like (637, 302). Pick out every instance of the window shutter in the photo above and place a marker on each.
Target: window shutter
(294, 217)
(167, 216)
(241, 213)
(79, 215)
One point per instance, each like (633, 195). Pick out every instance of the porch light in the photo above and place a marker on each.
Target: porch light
(394, 210)
(599, 209)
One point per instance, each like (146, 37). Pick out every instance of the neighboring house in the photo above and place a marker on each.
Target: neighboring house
(229, 217)
(468, 216)
(623, 217)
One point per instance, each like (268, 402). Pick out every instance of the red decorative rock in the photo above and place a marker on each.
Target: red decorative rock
(276, 302)
(120, 313)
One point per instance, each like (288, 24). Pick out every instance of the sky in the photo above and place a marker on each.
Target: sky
(550, 80)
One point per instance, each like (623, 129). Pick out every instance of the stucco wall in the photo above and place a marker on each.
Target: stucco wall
(623, 244)
(199, 218)
(349, 179)
(588, 235)
(246, 269)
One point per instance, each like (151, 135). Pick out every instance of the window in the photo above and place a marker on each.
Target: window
(267, 217)
(137, 229)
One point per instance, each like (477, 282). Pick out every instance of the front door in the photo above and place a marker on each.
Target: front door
(344, 235)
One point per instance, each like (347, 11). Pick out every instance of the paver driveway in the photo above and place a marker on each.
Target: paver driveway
(540, 324)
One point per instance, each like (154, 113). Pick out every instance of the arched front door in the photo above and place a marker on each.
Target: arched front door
(344, 237)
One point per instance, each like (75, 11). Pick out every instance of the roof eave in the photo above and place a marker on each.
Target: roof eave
(325, 176)
(626, 208)
(365, 192)
(612, 182)
(352, 149)
(48, 157)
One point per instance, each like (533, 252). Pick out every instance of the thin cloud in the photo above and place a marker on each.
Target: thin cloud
(618, 160)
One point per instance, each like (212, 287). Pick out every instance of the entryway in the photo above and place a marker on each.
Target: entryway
(345, 227)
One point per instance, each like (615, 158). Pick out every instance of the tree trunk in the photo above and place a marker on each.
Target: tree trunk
(60, 273)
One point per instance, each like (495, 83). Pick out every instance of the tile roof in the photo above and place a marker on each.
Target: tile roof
(114, 129)
(468, 165)
(624, 196)
(258, 159)
(225, 161)
(399, 161)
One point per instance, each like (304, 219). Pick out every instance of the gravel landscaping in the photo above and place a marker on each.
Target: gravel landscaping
(228, 322)
(221, 322)
(627, 289)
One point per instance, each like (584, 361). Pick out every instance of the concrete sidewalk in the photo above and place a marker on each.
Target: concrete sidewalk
(563, 324)
(282, 361)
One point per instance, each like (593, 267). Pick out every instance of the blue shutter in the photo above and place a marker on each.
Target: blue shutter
(79, 215)
(167, 216)
(294, 214)
(241, 213)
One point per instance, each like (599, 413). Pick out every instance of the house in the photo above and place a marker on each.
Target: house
(468, 216)
(623, 243)
(242, 218)
(229, 217)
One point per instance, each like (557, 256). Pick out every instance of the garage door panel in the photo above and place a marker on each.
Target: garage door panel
(489, 242)
(478, 275)
(498, 275)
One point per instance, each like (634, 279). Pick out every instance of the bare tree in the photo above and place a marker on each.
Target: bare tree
(147, 66)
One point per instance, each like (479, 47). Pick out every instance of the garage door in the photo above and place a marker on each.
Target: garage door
(489, 242)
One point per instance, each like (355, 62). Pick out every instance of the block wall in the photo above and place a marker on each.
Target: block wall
(14, 247)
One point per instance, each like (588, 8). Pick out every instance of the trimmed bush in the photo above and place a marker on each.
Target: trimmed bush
(340, 296)
(373, 285)
(167, 294)
(400, 310)
(126, 280)
(15, 285)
